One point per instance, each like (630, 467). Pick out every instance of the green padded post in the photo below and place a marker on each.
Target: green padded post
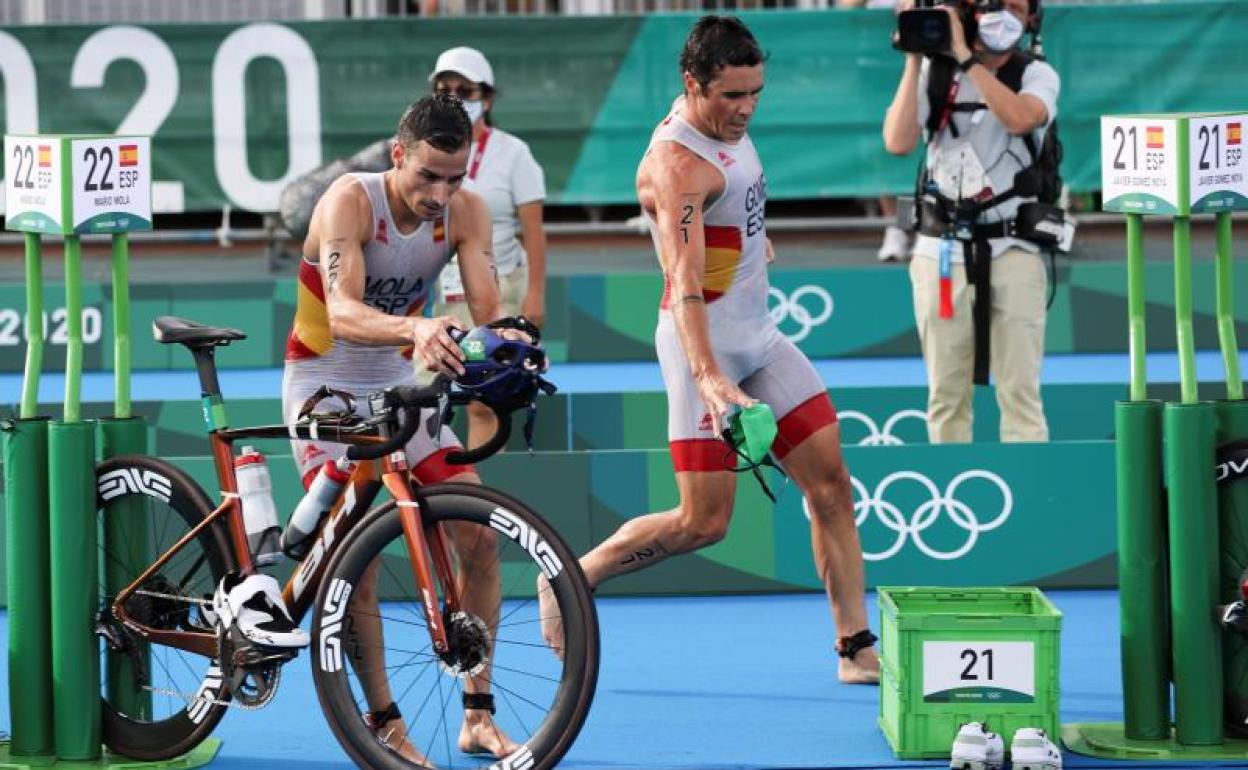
(34, 324)
(127, 541)
(1196, 654)
(1225, 280)
(26, 549)
(75, 653)
(1145, 633)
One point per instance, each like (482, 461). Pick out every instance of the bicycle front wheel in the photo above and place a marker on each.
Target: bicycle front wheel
(158, 701)
(371, 645)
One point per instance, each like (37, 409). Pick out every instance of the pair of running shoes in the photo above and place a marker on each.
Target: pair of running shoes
(977, 748)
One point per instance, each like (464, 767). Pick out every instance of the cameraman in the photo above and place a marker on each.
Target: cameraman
(973, 281)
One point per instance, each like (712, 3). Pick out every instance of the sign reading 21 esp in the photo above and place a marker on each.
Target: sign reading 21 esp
(1216, 163)
(979, 672)
(1140, 165)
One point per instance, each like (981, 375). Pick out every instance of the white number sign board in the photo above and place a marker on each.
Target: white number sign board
(1140, 165)
(979, 672)
(68, 184)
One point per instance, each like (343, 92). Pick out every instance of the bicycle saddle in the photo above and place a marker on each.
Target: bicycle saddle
(169, 329)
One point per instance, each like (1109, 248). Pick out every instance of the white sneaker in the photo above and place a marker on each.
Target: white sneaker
(255, 604)
(1031, 749)
(896, 245)
(974, 748)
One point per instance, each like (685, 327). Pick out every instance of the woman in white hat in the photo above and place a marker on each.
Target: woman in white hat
(501, 169)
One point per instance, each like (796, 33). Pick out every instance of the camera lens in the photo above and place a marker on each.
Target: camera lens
(931, 31)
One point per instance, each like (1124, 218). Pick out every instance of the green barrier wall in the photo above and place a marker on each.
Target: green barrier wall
(235, 111)
(1051, 529)
(612, 317)
(596, 421)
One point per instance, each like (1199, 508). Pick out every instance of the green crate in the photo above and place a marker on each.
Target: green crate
(955, 655)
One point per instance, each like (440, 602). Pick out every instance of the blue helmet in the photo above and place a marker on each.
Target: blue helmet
(500, 372)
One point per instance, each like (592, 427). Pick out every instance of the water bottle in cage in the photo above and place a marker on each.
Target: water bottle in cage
(255, 490)
(315, 504)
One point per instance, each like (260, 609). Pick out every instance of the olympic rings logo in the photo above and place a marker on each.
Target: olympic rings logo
(927, 513)
(882, 436)
(808, 306)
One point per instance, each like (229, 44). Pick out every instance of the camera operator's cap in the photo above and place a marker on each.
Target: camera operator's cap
(465, 61)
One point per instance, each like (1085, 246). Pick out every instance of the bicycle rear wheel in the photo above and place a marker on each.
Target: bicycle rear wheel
(158, 701)
(541, 701)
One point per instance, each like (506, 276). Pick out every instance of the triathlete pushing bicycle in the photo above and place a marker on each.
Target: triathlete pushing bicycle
(377, 242)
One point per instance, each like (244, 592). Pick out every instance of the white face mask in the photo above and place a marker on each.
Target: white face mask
(474, 109)
(1000, 31)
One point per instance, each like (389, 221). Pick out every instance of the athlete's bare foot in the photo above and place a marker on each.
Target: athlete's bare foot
(394, 735)
(479, 735)
(552, 620)
(863, 668)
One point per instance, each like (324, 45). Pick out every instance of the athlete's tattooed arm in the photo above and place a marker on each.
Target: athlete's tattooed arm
(342, 227)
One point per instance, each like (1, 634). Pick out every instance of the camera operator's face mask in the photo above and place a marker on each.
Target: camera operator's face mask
(1000, 31)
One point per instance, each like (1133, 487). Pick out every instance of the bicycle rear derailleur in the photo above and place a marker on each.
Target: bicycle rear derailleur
(252, 672)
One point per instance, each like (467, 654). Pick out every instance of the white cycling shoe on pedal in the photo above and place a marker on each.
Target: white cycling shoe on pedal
(254, 604)
(1031, 749)
(975, 748)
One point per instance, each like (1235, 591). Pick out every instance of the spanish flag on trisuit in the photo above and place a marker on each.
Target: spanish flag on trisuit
(128, 155)
(1154, 137)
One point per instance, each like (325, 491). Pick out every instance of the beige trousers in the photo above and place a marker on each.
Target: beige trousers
(511, 288)
(1019, 293)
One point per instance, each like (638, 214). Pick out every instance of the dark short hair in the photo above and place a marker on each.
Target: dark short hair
(716, 42)
(439, 120)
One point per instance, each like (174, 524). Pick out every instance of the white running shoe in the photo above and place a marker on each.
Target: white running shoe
(975, 748)
(255, 604)
(896, 245)
(1031, 749)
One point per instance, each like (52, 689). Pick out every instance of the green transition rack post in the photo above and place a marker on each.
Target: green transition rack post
(1169, 543)
(55, 188)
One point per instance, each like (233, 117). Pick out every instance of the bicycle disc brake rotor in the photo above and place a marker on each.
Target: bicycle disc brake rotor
(468, 645)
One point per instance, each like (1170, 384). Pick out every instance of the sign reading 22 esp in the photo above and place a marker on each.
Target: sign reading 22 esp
(32, 186)
(979, 672)
(112, 184)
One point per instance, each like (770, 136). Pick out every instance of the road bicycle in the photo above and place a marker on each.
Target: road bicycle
(169, 674)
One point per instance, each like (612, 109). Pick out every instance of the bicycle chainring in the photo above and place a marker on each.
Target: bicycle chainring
(252, 672)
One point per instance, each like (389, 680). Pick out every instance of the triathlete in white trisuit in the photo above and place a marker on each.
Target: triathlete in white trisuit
(702, 188)
(375, 245)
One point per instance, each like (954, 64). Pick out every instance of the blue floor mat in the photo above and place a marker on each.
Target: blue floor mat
(712, 683)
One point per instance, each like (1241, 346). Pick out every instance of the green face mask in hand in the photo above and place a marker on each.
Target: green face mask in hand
(752, 430)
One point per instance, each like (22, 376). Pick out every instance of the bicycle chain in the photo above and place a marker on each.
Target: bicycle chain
(175, 597)
(191, 698)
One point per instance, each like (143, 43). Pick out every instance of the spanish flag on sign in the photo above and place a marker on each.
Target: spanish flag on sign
(1154, 137)
(128, 154)
(1233, 133)
(45, 155)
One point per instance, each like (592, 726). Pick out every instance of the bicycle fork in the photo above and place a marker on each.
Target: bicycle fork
(424, 545)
